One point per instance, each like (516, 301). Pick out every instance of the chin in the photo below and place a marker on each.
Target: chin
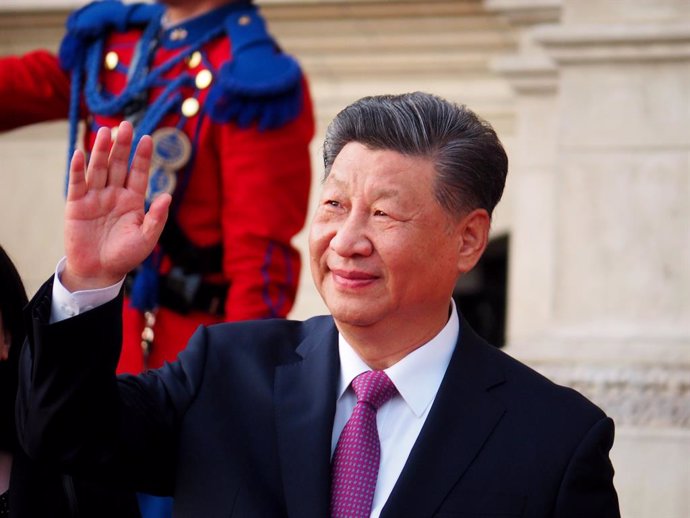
(358, 317)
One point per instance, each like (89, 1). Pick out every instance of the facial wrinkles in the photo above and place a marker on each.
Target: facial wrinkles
(370, 194)
(357, 226)
(363, 188)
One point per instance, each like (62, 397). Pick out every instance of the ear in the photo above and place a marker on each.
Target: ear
(473, 236)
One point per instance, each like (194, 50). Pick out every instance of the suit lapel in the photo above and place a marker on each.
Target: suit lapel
(305, 397)
(462, 417)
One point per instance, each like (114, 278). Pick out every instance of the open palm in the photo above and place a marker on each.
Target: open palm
(107, 232)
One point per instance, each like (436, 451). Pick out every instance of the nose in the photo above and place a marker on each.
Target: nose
(351, 237)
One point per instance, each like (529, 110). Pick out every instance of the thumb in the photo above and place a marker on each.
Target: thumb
(155, 218)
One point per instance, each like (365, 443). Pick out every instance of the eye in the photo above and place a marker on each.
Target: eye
(332, 203)
(379, 213)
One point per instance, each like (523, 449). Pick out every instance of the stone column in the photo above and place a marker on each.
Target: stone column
(617, 306)
(531, 180)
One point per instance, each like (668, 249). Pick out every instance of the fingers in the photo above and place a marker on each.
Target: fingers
(109, 161)
(155, 218)
(97, 170)
(118, 161)
(108, 166)
(77, 177)
(139, 174)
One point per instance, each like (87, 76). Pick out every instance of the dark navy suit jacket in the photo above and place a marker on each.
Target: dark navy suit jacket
(240, 425)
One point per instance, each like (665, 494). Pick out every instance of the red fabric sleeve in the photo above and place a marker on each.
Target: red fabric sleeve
(265, 182)
(33, 88)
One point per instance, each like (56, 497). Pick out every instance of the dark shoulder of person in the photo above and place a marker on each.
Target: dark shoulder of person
(37, 490)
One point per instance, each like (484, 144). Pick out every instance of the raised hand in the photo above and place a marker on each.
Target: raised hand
(107, 233)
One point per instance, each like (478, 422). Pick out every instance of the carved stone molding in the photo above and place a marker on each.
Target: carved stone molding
(649, 396)
(615, 43)
(527, 12)
(530, 71)
(528, 74)
(354, 48)
(391, 39)
(39, 5)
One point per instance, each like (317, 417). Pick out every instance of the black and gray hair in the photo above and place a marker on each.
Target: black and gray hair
(12, 301)
(470, 161)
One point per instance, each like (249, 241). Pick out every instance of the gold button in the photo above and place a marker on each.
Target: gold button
(203, 79)
(194, 60)
(150, 318)
(111, 60)
(190, 107)
(147, 334)
(178, 34)
(244, 20)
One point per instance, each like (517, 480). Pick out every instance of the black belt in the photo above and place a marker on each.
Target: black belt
(184, 293)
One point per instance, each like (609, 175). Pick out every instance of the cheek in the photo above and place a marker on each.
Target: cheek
(409, 257)
(318, 242)
(315, 261)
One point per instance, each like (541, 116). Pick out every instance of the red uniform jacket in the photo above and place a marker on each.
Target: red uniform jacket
(245, 189)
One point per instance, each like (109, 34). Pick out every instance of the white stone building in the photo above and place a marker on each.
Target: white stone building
(591, 98)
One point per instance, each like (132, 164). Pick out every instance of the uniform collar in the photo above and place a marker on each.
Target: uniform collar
(189, 31)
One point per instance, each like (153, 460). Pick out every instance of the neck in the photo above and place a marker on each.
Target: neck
(384, 344)
(186, 10)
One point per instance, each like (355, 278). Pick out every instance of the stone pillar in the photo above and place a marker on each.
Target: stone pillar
(615, 320)
(531, 180)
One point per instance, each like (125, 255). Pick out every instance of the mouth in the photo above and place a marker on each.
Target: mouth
(352, 279)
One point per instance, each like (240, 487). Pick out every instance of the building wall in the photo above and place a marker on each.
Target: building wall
(600, 250)
(591, 98)
(33, 165)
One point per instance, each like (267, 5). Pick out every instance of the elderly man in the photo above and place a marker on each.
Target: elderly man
(391, 406)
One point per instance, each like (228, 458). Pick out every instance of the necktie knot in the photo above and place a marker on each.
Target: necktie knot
(373, 387)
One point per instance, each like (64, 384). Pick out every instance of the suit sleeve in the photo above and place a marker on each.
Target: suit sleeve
(73, 411)
(587, 487)
(266, 181)
(33, 88)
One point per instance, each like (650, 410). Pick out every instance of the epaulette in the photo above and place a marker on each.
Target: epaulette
(260, 83)
(93, 21)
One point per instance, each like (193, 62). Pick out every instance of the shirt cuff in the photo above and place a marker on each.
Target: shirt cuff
(66, 304)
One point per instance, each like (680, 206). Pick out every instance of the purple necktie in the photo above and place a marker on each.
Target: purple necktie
(358, 453)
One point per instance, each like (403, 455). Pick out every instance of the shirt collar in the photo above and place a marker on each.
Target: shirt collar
(418, 375)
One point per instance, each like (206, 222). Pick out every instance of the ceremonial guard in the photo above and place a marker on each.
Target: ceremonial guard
(231, 121)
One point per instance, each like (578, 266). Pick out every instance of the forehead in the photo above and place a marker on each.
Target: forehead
(359, 166)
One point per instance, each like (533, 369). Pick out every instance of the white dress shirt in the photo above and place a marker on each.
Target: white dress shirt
(66, 304)
(417, 377)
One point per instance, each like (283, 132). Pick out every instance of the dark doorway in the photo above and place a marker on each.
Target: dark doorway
(481, 294)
